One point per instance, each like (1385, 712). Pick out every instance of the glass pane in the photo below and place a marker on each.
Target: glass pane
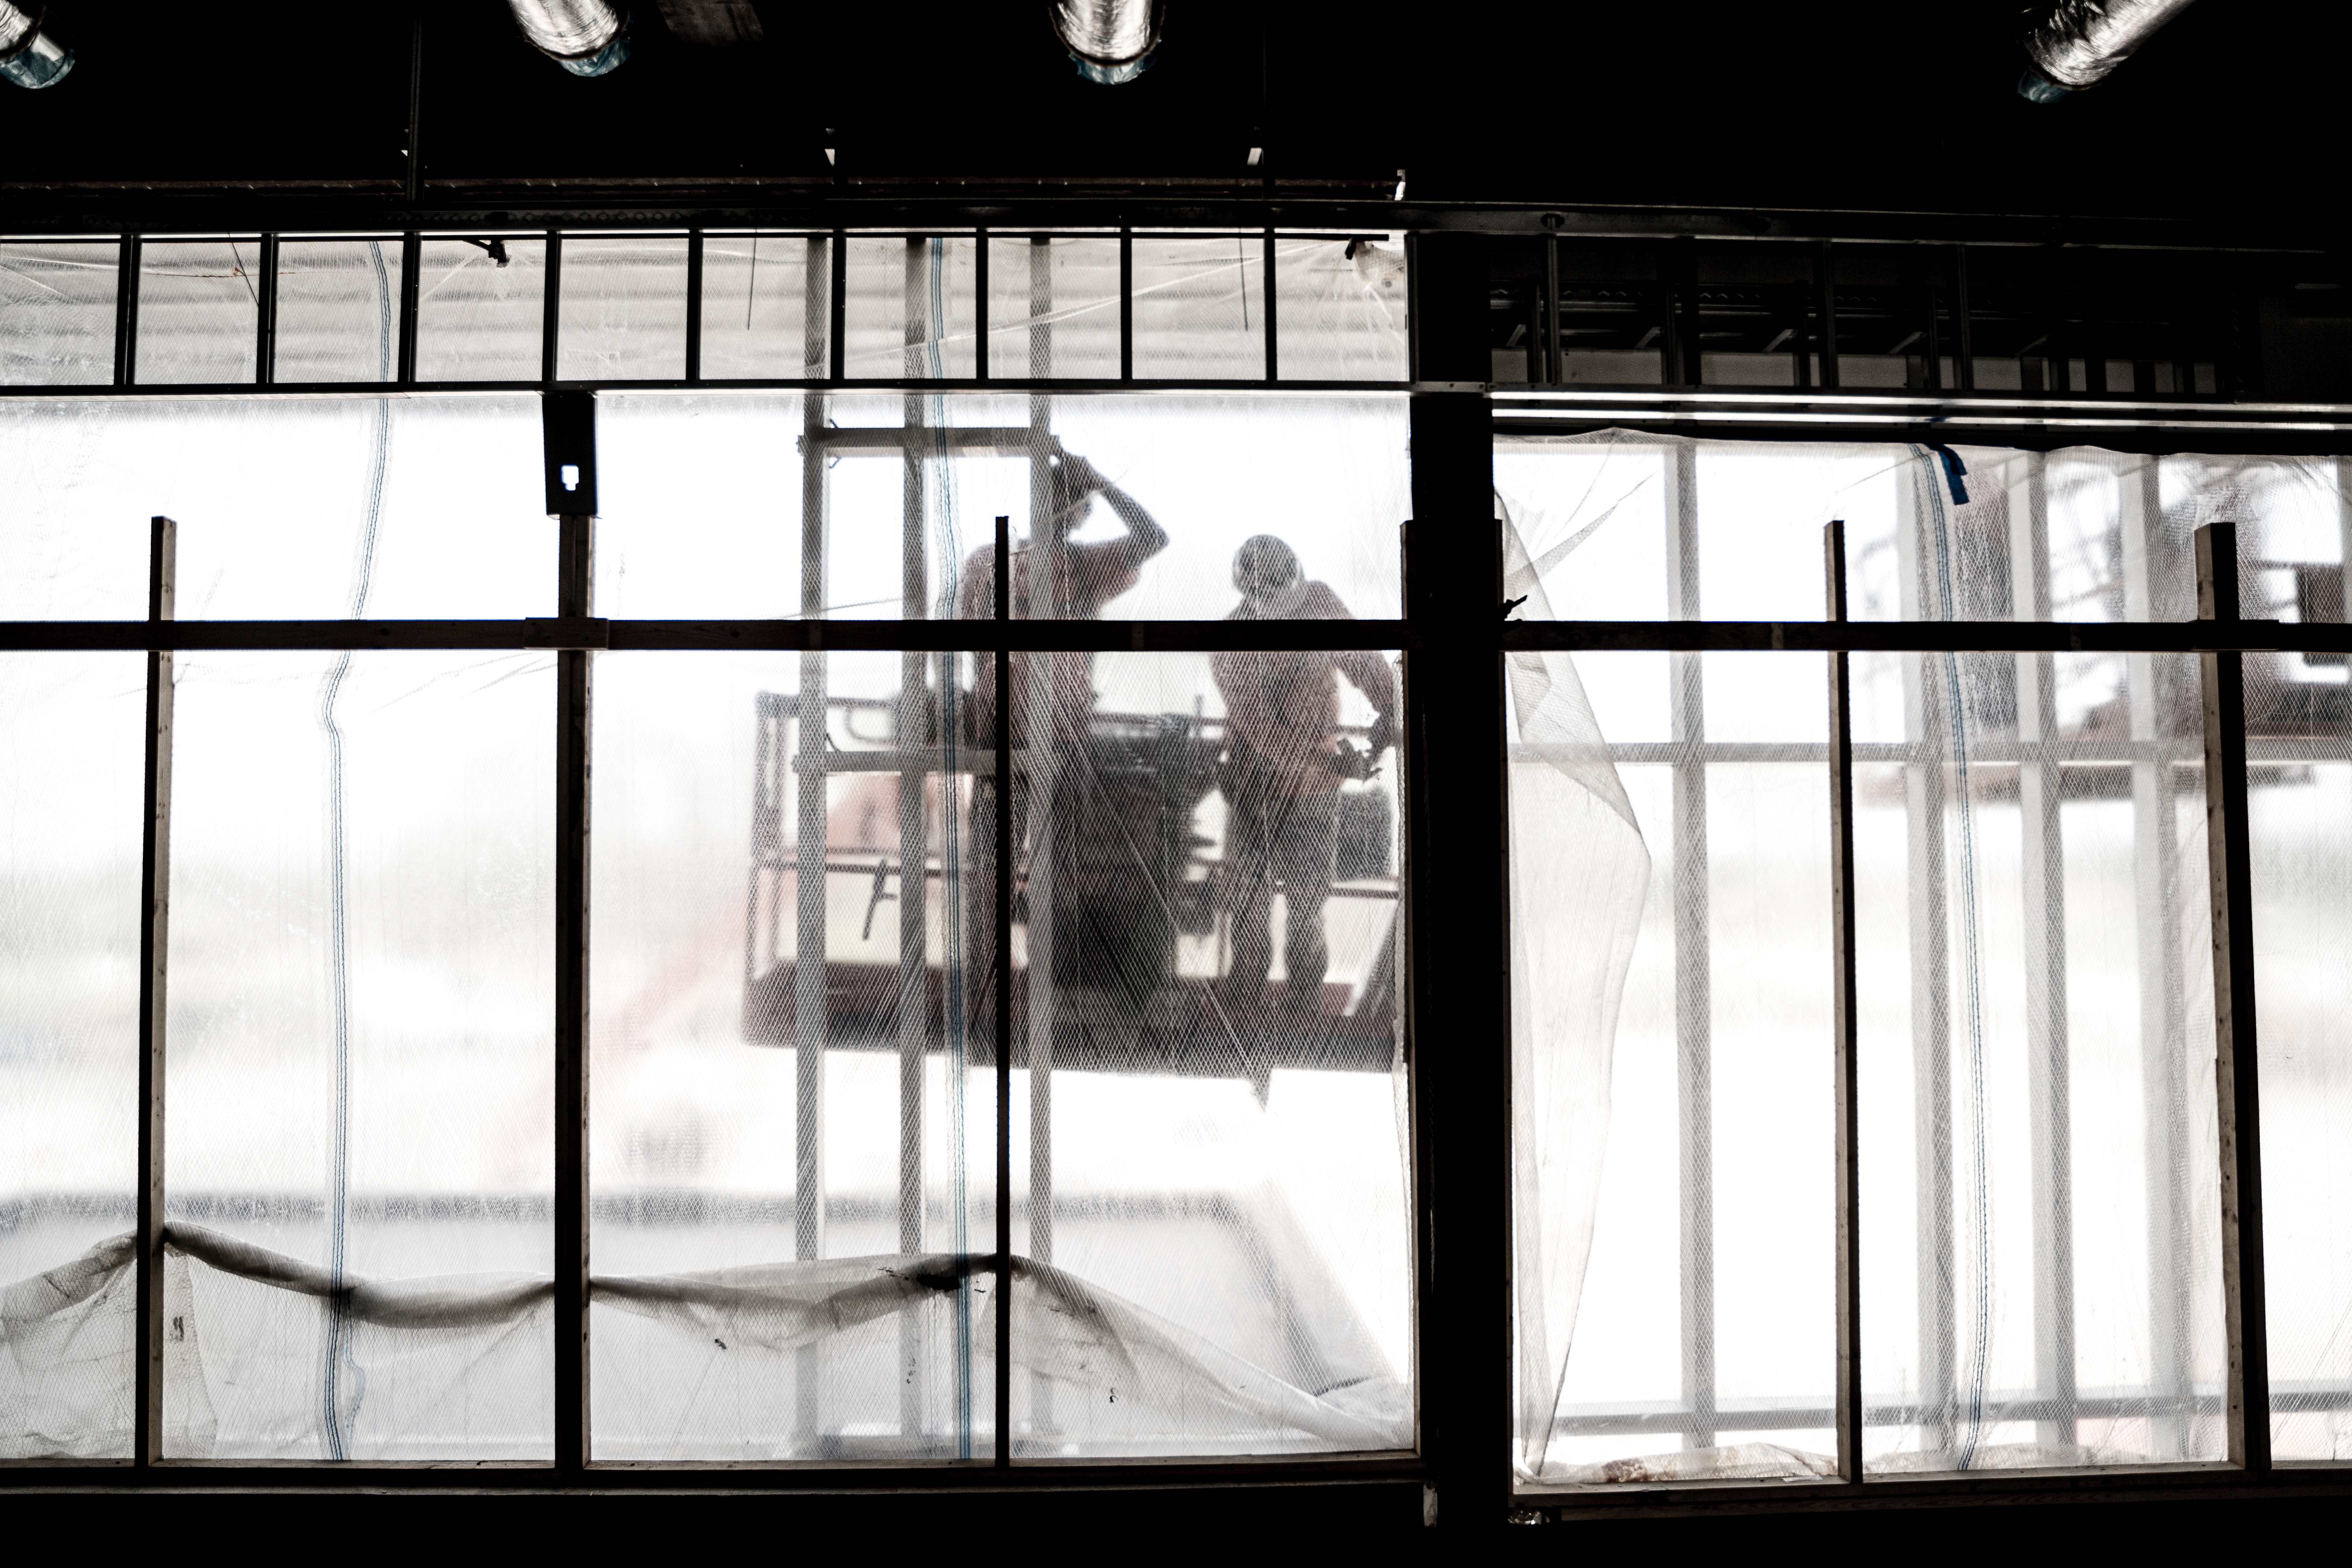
(72, 801)
(338, 309)
(361, 1150)
(691, 487)
(57, 313)
(1199, 309)
(908, 310)
(1700, 1342)
(767, 306)
(622, 309)
(2037, 1108)
(480, 313)
(1207, 1150)
(1052, 309)
(1343, 308)
(784, 1240)
(199, 308)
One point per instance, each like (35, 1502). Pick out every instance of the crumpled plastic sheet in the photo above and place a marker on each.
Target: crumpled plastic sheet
(1580, 874)
(66, 1346)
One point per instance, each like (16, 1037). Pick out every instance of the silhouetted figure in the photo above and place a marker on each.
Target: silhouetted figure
(1281, 775)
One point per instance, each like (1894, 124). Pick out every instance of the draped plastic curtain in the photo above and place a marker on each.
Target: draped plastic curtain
(2038, 1151)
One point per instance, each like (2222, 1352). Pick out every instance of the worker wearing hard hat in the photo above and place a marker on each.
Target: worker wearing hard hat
(1281, 774)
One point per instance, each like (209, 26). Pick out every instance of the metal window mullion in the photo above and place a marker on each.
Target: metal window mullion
(576, 546)
(551, 322)
(265, 347)
(1694, 964)
(2049, 1073)
(838, 296)
(2228, 859)
(154, 955)
(1555, 371)
(980, 305)
(1002, 977)
(411, 263)
(1127, 304)
(1273, 356)
(126, 311)
(693, 307)
(1846, 1031)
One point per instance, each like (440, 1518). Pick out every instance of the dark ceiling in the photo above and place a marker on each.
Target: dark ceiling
(2227, 116)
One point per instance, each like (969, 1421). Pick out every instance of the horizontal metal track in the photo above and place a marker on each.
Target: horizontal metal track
(1189, 637)
(931, 207)
(618, 636)
(1929, 637)
(1985, 753)
(1008, 387)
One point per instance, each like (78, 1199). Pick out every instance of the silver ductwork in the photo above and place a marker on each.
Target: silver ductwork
(1111, 40)
(586, 37)
(28, 56)
(2081, 42)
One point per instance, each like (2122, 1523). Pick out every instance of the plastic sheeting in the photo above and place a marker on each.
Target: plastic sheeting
(66, 1335)
(2038, 1142)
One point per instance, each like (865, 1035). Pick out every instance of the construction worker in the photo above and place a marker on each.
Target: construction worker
(1281, 772)
(1053, 692)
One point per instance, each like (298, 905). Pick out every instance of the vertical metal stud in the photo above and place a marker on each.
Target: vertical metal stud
(265, 347)
(411, 263)
(154, 960)
(575, 591)
(1555, 368)
(1845, 1027)
(1273, 358)
(1002, 978)
(126, 312)
(694, 305)
(980, 306)
(839, 277)
(1127, 304)
(2229, 858)
(550, 324)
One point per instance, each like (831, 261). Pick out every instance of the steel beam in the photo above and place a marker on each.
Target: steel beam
(154, 965)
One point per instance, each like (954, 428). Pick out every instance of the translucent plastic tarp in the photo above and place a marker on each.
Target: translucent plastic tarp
(69, 789)
(56, 312)
(277, 502)
(698, 491)
(2040, 1257)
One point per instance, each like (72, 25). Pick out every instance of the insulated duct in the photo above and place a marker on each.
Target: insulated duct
(1111, 40)
(28, 56)
(2081, 42)
(586, 37)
